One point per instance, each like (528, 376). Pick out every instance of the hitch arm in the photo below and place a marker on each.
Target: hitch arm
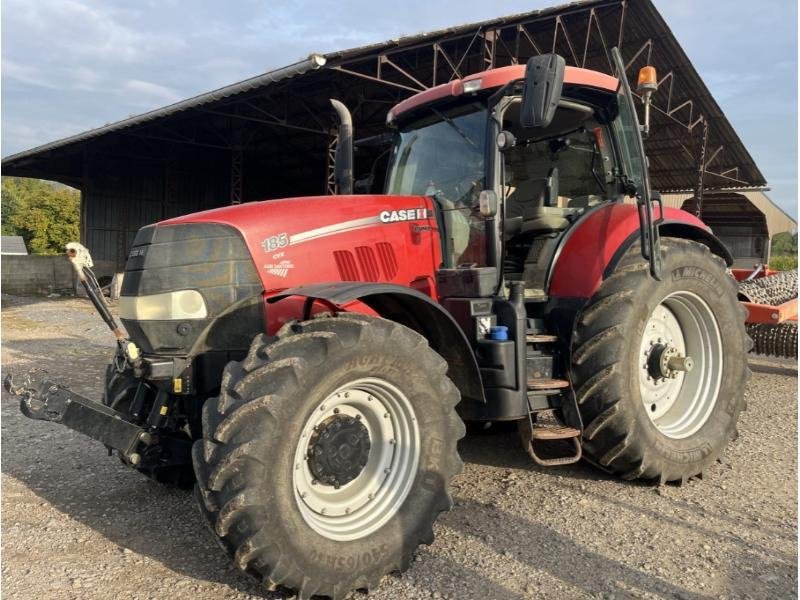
(48, 401)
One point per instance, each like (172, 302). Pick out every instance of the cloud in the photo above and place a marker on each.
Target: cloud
(25, 74)
(33, 134)
(151, 91)
(88, 62)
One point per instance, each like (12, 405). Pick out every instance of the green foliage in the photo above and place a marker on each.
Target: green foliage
(783, 263)
(46, 215)
(784, 252)
(784, 244)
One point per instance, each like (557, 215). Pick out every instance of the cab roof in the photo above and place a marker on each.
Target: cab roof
(495, 78)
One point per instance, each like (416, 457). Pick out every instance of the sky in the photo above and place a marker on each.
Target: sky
(69, 65)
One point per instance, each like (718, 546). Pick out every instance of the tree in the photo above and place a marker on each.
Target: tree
(784, 244)
(46, 215)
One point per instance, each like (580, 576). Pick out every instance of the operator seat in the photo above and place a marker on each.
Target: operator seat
(544, 219)
(532, 231)
(526, 212)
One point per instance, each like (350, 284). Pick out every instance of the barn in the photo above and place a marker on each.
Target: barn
(273, 135)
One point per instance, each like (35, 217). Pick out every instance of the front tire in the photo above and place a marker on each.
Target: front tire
(328, 454)
(643, 419)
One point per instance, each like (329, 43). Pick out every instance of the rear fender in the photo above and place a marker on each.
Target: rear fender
(591, 249)
(403, 305)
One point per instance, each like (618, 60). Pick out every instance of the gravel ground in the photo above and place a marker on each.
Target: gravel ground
(78, 524)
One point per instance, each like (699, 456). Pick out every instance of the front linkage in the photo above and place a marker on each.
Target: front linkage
(48, 401)
(146, 444)
(143, 446)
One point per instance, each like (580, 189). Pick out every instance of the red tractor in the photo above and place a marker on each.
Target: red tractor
(311, 362)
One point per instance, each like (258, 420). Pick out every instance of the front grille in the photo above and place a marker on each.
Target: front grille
(208, 257)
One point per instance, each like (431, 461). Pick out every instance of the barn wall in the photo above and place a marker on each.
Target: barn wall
(34, 274)
(777, 220)
(117, 202)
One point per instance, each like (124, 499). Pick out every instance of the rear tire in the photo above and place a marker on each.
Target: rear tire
(262, 496)
(664, 428)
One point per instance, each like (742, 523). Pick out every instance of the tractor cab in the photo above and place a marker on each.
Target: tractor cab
(510, 185)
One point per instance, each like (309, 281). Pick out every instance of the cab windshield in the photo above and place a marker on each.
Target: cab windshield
(441, 155)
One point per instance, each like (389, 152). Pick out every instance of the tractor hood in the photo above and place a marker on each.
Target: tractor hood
(197, 282)
(296, 241)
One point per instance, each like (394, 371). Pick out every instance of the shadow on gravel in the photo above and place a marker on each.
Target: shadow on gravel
(143, 517)
(546, 549)
(503, 449)
(774, 579)
(506, 451)
(700, 515)
(75, 476)
(787, 370)
(162, 523)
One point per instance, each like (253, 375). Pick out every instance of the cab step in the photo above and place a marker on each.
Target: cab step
(547, 384)
(555, 432)
(547, 433)
(541, 338)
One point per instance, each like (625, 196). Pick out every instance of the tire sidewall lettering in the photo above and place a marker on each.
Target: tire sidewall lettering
(696, 273)
(707, 285)
(351, 561)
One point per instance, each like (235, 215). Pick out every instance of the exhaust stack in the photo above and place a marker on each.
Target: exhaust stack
(343, 162)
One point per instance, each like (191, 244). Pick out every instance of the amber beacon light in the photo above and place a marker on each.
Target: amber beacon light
(645, 86)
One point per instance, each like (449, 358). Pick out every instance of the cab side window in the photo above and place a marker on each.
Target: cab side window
(626, 128)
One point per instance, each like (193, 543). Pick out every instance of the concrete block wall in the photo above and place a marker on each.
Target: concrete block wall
(26, 275)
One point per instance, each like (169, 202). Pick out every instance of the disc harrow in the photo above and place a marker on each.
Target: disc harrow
(771, 302)
(774, 340)
(773, 289)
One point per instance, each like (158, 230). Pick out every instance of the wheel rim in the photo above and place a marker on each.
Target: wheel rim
(679, 402)
(364, 504)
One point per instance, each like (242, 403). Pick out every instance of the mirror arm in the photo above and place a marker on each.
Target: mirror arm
(650, 242)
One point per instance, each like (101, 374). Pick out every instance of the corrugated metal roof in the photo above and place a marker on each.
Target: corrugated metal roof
(312, 63)
(415, 39)
(672, 167)
(12, 244)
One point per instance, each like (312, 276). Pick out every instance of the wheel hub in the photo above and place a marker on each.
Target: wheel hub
(356, 459)
(665, 361)
(680, 364)
(338, 450)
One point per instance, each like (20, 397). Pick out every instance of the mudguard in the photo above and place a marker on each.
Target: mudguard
(411, 308)
(591, 248)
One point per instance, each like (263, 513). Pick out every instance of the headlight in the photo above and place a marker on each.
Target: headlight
(183, 304)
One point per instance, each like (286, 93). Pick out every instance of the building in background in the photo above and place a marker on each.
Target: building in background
(274, 135)
(745, 221)
(13, 244)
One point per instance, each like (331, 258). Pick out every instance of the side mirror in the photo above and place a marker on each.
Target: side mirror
(645, 86)
(487, 203)
(544, 79)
